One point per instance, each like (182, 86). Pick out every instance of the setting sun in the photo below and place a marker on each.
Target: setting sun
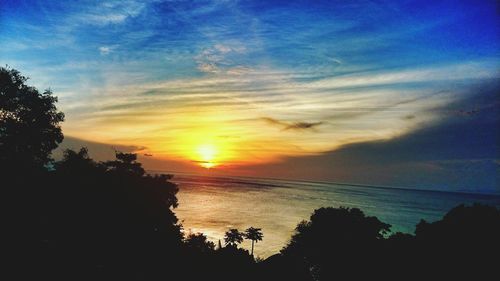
(207, 154)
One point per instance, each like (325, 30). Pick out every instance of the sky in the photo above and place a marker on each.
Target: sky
(395, 93)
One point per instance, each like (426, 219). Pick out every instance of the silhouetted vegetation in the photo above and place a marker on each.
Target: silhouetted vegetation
(233, 237)
(78, 219)
(345, 243)
(29, 123)
(353, 238)
(254, 234)
(199, 242)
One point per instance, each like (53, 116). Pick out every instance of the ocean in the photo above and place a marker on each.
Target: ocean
(212, 205)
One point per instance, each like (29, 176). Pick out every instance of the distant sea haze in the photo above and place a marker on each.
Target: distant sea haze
(212, 205)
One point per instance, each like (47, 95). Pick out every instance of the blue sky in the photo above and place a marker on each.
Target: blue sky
(180, 38)
(261, 81)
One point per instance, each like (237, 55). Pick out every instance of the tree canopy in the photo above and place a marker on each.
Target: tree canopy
(341, 236)
(29, 122)
(254, 234)
(199, 242)
(233, 237)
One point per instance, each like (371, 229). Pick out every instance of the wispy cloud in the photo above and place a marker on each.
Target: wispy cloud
(292, 125)
(105, 50)
(101, 13)
(218, 57)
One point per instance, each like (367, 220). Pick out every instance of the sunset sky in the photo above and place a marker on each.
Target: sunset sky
(402, 94)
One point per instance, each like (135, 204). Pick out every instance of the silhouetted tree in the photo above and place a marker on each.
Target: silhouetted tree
(461, 224)
(353, 238)
(254, 234)
(76, 162)
(102, 215)
(199, 242)
(462, 243)
(126, 163)
(233, 237)
(345, 244)
(29, 122)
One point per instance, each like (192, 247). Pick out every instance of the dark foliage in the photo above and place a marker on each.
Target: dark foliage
(463, 244)
(284, 267)
(337, 236)
(109, 221)
(105, 222)
(254, 234)
(199, 243)
(345, 244)
(233, 237)
(29, 123)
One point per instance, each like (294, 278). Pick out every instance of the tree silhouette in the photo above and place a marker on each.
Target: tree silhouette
(29, 122)
(254, 234)
(199, 242)
(76, 162)
(233, 237)
(354, 238)
(126, 163)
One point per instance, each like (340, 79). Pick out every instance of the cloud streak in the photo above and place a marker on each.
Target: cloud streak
(292, 125)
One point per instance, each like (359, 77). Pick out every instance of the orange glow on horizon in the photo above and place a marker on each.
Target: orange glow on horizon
(205, 138)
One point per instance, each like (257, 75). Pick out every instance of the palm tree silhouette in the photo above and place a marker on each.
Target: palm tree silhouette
(254, 234)
(233, 237)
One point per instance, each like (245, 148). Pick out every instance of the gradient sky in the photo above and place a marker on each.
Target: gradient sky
(406, 93)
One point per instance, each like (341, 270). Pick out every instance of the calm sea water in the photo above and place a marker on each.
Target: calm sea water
(213, 205)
